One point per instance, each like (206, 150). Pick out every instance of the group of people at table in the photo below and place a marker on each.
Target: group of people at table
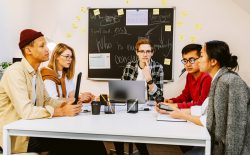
(215, 96)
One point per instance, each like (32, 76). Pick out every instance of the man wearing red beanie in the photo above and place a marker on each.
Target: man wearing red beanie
(23, 96)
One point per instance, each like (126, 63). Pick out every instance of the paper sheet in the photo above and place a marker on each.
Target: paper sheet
(137, 17)
(99, 61)
(164, 117)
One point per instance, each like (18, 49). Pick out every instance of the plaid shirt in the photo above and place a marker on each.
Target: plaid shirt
(130, 72)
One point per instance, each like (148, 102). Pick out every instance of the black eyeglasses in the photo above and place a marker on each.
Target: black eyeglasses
(67, 56)
(191, 60)
(147, 51)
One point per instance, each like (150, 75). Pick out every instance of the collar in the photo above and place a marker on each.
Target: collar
(28, 66)
(216, 74)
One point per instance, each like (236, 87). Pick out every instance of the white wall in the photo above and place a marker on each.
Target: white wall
(15, 15)
(221, 20)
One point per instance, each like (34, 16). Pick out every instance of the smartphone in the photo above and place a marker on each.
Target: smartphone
(165, 107)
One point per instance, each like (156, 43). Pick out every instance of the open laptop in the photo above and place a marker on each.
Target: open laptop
(122, 90)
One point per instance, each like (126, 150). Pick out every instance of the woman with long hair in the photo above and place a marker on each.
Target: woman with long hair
(58, 76)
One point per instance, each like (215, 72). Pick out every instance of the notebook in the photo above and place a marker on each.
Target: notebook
(122, 90)
(164, 117)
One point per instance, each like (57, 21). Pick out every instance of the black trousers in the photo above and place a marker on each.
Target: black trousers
(142, 148)
(66, 146)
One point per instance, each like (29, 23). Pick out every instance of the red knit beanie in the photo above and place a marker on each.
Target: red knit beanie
(27, 36)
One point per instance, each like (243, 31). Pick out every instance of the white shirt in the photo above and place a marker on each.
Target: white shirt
(202, 110)
(34, 89)
(51, 86)
(141, 77)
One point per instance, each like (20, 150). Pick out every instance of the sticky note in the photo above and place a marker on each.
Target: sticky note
(167, 61)
(68, 35)
(127, 1)
(120, 12)
(164, 2)
(74, 25)
(193, 39)
(78, 18)
(156, 11)
(83, 9)
(179, 24)
(83, 30)
(184, 14)
(168, 28)
(96, 12)
(198, 26)
(181, 37)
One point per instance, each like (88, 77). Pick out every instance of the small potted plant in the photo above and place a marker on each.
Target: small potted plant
(3, 66)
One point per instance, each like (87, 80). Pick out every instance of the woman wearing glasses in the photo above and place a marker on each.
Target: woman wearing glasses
(58, 76)
(197, 83)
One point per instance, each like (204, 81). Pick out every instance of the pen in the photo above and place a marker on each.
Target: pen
(108, 104)
(104, 99)
(132, 105)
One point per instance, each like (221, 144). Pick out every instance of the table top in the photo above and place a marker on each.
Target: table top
(141, 124)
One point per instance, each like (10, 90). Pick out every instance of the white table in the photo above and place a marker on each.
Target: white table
(140, 128)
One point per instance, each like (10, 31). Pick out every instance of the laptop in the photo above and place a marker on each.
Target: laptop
(122, 90)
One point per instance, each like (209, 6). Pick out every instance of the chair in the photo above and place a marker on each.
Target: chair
(1, 153)
(130, 150)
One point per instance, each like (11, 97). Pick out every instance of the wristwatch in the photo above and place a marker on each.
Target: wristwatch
(150, 82)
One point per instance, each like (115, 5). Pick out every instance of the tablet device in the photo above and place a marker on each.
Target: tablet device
(78, 83)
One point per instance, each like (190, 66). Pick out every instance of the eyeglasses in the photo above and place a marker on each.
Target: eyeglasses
(68, 57)
(191, 61)
(147, 51)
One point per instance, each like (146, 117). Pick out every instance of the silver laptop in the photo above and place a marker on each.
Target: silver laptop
(122, 90)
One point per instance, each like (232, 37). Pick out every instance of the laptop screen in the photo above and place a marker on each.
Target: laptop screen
(122, 90)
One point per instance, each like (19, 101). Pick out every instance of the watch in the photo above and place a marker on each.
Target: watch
(150, 82)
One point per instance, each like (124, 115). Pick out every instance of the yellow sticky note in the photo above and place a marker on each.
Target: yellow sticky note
(83, 9)
(68, 35)
(167, 61)
(193, 39)
(164, 2)
(198, 26)
(181, 37)
(83, 30)
(78, 18)
(96, 12)
(74, 25)
(127, 1)
(184, 14)
(168, 28)
(179, 24)
(156, 11)
(120, 12)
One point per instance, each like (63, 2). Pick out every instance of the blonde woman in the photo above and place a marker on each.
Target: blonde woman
(58, 76)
